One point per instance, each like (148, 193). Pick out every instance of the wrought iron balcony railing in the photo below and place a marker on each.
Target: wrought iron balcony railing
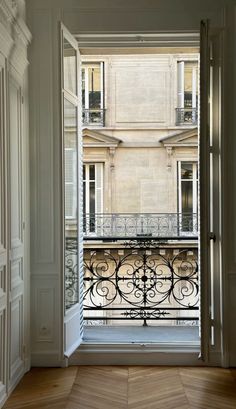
(93, 117)
(144, 282)
(186, 116)
(132, 225)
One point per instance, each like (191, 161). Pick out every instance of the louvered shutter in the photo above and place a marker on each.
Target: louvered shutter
(70, 181)
(73, 195)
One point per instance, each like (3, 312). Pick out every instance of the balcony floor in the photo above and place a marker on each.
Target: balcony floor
(133, 335)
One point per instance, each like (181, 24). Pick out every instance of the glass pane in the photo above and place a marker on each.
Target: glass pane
(71, 203)
(186, 170)
(92, 197)
(188, 82)
(70, 67)
(94, 88)
(92, 172)
(83, 87)
(92, 206)
(187, 197)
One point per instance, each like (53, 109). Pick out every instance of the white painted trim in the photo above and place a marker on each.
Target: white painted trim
(138, 40)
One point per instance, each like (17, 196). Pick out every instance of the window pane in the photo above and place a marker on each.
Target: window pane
(70, 68)
(94, 88)
(84, 197)
(187, 197)
(186, 170)
(83, 87)
(92, 206)
(92, 172)
(188, 82)
(92, 197)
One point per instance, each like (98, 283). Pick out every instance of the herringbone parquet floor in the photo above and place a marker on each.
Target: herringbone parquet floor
(121, 387)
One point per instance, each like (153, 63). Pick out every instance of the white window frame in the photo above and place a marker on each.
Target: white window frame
(85, 67)
(181, 83)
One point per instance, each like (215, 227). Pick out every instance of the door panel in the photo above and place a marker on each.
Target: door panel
(3, 233)
(72, 192)
(210, 175)
(16, 294)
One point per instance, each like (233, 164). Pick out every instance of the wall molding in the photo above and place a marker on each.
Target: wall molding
(8, 9)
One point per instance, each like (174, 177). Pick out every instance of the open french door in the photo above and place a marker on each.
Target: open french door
(210, 193)
(72, 192)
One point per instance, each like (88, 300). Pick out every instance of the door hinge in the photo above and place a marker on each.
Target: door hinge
(212, 236)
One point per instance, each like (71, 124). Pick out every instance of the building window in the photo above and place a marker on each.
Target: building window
(188, 196)
(92, 196)
(187, 90)
(93, 94)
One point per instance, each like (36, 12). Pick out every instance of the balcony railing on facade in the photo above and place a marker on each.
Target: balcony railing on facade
(147, 282)
(186, 116)
(93, 117)
(116, 226)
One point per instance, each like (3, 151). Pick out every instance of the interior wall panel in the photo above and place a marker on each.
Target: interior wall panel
(2, 353)
(16, 349)
(16, 295)
(42, 177)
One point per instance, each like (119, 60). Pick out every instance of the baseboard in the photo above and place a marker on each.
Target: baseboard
(3, 395)
(46, 359)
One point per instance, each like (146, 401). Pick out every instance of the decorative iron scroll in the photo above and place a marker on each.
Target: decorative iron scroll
(141, 284)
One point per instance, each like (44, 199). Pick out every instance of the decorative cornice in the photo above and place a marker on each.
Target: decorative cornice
(100, 140)
(9, 9)
(6, 40)
(14, 34)
(187, 138)
(22, 31)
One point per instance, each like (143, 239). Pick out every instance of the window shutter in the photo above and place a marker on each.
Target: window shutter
(99, 187)
(70, 183)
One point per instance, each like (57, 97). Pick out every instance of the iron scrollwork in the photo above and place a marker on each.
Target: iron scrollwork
(141, 284)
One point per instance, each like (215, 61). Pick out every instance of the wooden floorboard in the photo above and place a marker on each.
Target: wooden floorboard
(123, 387)
(154, 388)
(44, 388)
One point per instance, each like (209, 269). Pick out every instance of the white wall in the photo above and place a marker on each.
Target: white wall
(109, 16)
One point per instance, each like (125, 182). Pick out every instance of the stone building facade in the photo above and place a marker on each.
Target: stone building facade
(140, 130)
